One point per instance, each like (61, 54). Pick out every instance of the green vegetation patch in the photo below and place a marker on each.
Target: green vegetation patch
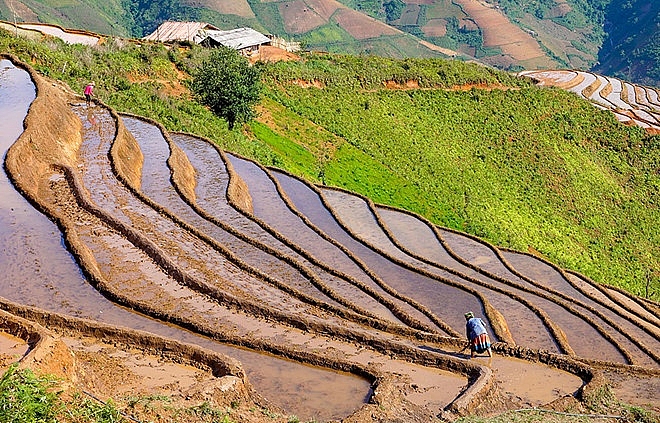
(268, 14)
(373, 8)
(26, 398)
(372, 72)
(326, 35)
(524, 168)
(293, 156)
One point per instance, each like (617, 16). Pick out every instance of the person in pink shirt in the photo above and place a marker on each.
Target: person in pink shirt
(89, 92)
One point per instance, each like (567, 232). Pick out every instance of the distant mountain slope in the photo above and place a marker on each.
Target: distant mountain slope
(632, 47)
(332, 26)
(505, 33)
(614, 37)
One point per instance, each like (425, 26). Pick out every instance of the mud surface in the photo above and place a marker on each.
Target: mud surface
(41, 272)
(334, 307)
(524, 326)
(12, 349)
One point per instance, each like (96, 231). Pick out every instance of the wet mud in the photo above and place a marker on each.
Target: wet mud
(401, 279)
(41, 272)
(413, 235)
(33, 253)
(641, 342)
(211, 200)
(322, 252)
(368, 223)
(336, 309)
(12, 349)
(156, 150)
(163, 293)
(572, 325)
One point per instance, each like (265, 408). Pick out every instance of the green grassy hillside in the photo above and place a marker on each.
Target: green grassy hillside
(534, 169)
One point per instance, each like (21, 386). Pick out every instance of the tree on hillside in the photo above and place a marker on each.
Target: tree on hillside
(144, 16)
(228, 85)
(393, 9)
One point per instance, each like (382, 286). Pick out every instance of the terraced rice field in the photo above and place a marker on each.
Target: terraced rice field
(67, 35)
(631, 104)
(166, 233)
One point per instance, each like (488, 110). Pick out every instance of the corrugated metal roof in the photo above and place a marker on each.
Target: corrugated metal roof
(236, 38)
(178, 31)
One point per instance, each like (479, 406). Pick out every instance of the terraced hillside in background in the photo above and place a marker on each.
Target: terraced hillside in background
(630, 103)
(169, 226)
(504, 34)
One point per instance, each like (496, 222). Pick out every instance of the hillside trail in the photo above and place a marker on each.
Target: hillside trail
(214, 246)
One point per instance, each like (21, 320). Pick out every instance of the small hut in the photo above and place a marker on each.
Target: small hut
(244, 40)
(170, 31)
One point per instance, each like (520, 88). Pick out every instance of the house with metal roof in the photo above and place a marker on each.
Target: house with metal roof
(245, 40)
(170, 31)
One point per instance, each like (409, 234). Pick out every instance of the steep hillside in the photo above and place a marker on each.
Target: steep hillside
(504, 33)
(632, 47)
(320, 24)
(260, 297)
(533, 169)
(619, 37)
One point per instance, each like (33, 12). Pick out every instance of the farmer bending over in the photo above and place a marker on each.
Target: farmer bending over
(476, 332)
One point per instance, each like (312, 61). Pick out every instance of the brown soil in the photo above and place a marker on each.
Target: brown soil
(146, 377)
(445, 51)
(170, 86)
(362, 26)
(12, 348)
(435, 28)
(272, 54)
(499, 32)
(226, 7)
(85, 169)
(134, 379)
(325, 8)
(308, 84)
(299, 18)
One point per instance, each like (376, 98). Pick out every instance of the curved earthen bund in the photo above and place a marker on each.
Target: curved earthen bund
(212, 249)
(631, 104)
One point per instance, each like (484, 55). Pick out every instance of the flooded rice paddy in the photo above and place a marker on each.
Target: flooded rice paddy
(297, 282)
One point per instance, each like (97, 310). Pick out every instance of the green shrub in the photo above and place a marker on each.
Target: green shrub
(27, 398)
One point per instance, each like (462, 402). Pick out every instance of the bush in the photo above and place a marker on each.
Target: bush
(228, 85)
(25, 398)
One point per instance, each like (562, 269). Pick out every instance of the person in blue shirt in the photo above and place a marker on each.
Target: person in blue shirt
(475, 330)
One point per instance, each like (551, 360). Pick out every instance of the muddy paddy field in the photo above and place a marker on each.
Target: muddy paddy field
(138, 262)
